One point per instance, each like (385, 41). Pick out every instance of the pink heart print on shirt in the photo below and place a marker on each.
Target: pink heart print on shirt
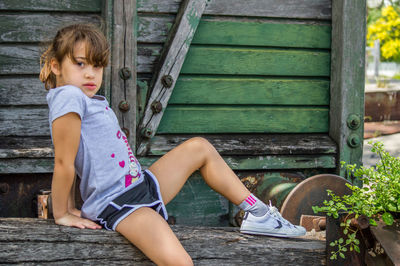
(122, 164)
(113, 155)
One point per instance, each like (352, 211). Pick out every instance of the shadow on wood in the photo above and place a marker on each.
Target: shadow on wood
(37, 241)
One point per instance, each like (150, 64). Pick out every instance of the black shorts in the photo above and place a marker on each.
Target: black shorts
(144, 193)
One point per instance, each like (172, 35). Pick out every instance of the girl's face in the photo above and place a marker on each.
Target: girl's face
(81, 74)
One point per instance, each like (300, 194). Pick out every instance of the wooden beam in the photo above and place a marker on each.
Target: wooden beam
(172, 60)
(39, 241)
(123, 68)
(347, 79)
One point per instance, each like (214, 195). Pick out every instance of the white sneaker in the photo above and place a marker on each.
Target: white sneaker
(270, 224)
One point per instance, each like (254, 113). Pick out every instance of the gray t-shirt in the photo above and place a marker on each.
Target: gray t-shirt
(104, 162)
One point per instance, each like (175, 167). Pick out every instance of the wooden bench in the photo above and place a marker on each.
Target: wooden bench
(38, 241)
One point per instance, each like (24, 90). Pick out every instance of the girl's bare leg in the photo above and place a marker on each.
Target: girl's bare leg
(149, 232)
(174, 168)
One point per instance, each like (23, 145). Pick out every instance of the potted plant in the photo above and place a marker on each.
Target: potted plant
(378, 198)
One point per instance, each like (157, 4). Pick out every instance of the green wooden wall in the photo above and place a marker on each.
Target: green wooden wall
(257, 82)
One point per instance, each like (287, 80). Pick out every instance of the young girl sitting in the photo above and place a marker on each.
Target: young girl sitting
(116, 192)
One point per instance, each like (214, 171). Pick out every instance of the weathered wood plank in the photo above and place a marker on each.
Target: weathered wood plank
(22, 91)
(269, 162)
(19, 59)
(249, 90)
(123, 57)
(26, 165)
(307, 9)
(347, 78)
(175, 51)
(228, 31)
(45, 5)
(34, 27)
(25, 142)
(24, 59)
(266, 162)
(44, 242)
(233, 144)
(252, 61)
(248, 119)
(262, 144)
(24, 121)
(245, 61)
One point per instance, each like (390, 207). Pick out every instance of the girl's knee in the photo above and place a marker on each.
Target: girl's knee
(200, 144)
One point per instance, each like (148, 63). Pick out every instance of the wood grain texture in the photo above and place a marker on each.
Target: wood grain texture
(252, 144)
(124, 50)
(231, 31)
(26, 165)
(307, 9)
(347, 76)
(252, 61)
(45, 5)
(249, 90)
(43, 242)
(175, 51)
(266, 162)
(29, 27)
(19, 59)
(269, 162)
(24, 121)
(249, 119)
(22, 91)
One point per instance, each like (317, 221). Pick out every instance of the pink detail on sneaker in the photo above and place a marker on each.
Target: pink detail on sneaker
(119, 134)
(122, 164)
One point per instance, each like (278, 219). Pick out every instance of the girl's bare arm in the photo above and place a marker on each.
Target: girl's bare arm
(71, 201)
(66, 135)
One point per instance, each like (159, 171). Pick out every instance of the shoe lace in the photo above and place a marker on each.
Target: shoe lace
(276, 214)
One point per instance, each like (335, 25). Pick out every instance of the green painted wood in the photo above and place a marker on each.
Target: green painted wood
(35, 27)
(153, 28)
(256, 61)
(197, 204)
(46, 5)
(263, 34)
(170, 63)
(268, 162)
(347, 78)
(249, 90)
(244, 119)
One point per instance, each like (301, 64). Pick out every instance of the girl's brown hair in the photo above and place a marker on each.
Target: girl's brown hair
(97, 49)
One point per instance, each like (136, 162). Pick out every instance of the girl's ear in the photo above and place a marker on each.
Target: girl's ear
(55, 67)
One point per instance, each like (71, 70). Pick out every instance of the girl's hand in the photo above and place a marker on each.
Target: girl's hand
(71, 220)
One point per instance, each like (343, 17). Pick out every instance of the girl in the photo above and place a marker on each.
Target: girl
(116, 192)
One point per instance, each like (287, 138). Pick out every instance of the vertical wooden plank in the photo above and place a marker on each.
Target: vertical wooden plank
(347, 79)
(175, 51)
(123, 89)
(107, 15)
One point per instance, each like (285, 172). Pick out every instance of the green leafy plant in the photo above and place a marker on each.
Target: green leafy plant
(378, 198)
